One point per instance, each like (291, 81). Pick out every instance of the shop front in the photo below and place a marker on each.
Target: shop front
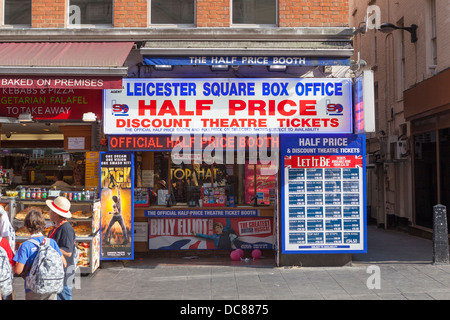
(427, 107)
(49, 155)
(51, 98)
(259, 164)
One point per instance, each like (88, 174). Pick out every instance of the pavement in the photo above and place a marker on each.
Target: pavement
(398, 266)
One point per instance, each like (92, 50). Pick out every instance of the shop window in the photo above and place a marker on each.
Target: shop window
(85, 12)
(192, 184)
(425, 178)
(444, 167)
(259, 188)
(255, 12)
(208, 185)
(17, 12)
(172, 12)
(159, 177)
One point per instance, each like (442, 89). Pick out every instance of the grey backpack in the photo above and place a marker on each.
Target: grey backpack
(6, 276)
(47, 271)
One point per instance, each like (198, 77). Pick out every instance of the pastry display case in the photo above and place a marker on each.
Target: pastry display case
(85, 221)
(9, 204)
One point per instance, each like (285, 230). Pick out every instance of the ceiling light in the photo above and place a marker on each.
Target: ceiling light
(163, 67)
(25, 117)
(220, 67)
(89, 117)
(277, 68)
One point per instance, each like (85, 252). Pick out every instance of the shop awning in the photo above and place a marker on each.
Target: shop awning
(74, 65)
(428, 98)
(294, 53)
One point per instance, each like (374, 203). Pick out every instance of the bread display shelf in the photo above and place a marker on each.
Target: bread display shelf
(85, 221)
(77, 215)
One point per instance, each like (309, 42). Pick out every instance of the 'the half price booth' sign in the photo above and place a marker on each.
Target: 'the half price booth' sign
(157, 106)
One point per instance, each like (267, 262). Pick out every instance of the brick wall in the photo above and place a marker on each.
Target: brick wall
(48, 14)
(313, 13)
(210, 13)
(213, 13)
(130, 14)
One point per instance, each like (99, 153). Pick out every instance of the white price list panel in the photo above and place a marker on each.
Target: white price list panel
(323, 202)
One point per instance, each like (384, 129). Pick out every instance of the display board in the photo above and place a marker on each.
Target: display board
(230, 106)
(117, 212)
(323, 194)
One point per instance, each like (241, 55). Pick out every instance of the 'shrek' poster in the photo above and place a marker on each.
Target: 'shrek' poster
(117, 215)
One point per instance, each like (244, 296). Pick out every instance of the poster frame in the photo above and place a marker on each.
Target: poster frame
(284, 205)
(131, 256)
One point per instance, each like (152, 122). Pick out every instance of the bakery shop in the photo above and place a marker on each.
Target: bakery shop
(48, 142)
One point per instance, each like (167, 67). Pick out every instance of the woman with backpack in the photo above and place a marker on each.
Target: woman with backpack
(28, 252)
(6, 229)
(6, 267)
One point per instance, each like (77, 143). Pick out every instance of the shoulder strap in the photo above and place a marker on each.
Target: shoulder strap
(35, 242)
(46, 242)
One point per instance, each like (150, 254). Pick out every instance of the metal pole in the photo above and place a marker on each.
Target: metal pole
(440, 235)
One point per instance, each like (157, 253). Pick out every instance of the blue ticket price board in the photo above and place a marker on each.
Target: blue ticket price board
(323, 194)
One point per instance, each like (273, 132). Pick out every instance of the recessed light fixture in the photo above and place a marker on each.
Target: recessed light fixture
(277, 68)
(89, 117)
(163, 67)
(25, 117)
(220, 67)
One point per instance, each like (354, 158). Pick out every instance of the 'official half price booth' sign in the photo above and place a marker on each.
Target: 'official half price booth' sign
(183, 106)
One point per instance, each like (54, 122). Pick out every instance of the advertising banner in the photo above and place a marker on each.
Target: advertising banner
(201, 213)
(211, 233)
(50, 104)
(245, 61)
(191, 142)
(238, 106)
(323, 207)
(117, 213)
(60, 82)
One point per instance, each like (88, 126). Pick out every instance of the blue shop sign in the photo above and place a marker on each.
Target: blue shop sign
(246, 61)
(201, 213)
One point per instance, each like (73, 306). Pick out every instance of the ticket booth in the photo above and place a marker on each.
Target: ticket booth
(229, 163)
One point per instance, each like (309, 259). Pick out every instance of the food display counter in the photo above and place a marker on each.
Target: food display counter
(85, 221)
(9, 204)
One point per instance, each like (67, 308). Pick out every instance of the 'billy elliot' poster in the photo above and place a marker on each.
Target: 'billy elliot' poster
(116, 183)
(222, 233)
